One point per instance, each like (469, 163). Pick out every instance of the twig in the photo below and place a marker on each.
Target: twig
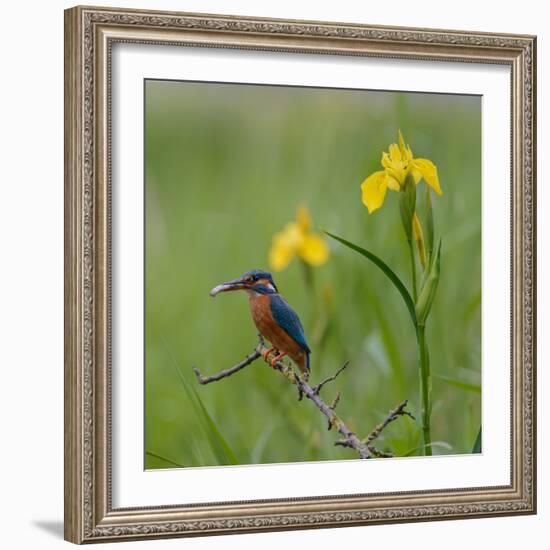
(320, 385)
(227, 372)
(350, 439)
(394, 414)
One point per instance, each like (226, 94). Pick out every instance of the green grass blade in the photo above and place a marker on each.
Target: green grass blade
(386, 269)
(472, 307)
(389, 340)
(219, 445)
(477, 444)
(164, 459)
(222, 451)
(468, 386)
(433, 444)
(227, 452)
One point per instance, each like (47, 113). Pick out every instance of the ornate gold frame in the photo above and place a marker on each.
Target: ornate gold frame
(89, 35)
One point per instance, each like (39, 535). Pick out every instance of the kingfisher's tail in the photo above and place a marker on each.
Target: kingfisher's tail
(302, 361)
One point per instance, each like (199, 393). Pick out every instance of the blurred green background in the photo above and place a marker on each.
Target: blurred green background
(226, 168)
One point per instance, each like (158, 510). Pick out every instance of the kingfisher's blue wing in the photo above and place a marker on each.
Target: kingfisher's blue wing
(287, 319)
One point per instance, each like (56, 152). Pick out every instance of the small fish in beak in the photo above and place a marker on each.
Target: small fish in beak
(236, 284)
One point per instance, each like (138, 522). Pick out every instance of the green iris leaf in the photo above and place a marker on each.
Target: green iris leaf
(386, 269)
(477, 444)
(463, 385)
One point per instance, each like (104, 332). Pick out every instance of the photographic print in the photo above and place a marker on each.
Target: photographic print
(312, 274)
(300, 274)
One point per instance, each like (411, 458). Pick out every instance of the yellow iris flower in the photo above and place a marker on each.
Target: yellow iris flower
(397, 163)
(297, 239)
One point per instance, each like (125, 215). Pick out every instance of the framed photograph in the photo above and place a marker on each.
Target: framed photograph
(300, 274)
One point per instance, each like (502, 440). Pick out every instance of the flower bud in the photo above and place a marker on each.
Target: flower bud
(407, 204)
(419, 238)
(429, 289)
(429, 224)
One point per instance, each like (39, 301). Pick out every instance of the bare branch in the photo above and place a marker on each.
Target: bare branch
(320, 385)
(394, 414)
(335, 401)
(333, 406)
(350, 439)
(227, 372)
(380, 454)
(343, 443)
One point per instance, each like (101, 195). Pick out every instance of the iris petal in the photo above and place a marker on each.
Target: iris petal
(428, 171)
(304, 218)
(280, 254)
(416, 175)
(393, 184)
(314, 250)
(395, 153)
(284, 246)
(374, 190)
(402, 146)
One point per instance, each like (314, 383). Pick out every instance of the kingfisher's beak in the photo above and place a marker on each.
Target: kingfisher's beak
(235, 284)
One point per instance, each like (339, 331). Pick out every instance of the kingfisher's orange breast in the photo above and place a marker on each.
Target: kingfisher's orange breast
(260, 307)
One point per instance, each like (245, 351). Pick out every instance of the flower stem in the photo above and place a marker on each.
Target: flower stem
(413, 269)
(425, 388)
(309, 278)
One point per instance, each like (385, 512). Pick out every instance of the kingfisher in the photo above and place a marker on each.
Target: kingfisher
(273, 317)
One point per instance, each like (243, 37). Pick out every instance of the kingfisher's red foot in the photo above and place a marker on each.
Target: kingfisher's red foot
(276, 359)
(266, 353)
